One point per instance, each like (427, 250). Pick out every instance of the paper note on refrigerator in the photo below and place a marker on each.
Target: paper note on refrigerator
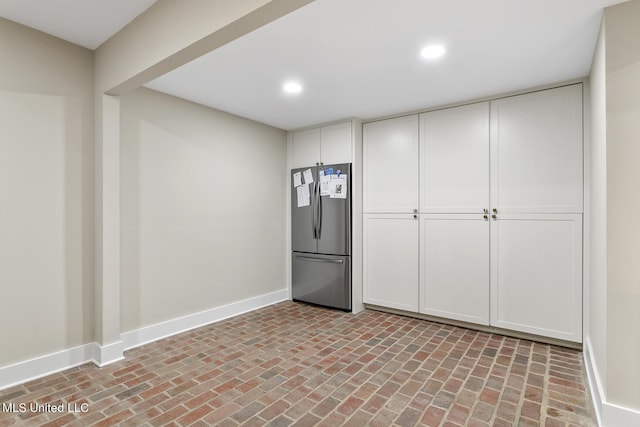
(297, 179)
(304, 196)
(308, 176)
(325, 181)
(338, 186)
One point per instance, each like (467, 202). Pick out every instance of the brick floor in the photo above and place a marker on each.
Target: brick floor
(292, 364)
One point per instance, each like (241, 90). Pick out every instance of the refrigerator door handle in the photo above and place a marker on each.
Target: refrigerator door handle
(319, 198)
(333, 261)
(316, 205)
(313, 210)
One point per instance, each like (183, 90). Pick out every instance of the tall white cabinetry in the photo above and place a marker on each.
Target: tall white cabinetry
(537, 189)
(500, 187)
(390, 206)
(454, 213)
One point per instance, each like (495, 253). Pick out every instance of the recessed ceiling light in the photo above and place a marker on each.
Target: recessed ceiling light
(292, 87)
(432, 51)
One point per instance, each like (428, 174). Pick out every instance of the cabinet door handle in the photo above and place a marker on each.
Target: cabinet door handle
(485, 210)
(494, 217)
(415, 216)
(495, 211)
(486, 217)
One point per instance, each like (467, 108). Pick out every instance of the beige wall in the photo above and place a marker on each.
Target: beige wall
(83, 185)
(596, 308)
(166, 36)
(46, 179)
(623, 203)
(614, 306)
(203, 208)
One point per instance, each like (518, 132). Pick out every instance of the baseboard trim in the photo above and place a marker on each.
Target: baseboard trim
(32, 369)
(595, 386)
(38, 367)
(166, 329)
(608, 414)
(108, 354)
(477, 327)
(615, 415)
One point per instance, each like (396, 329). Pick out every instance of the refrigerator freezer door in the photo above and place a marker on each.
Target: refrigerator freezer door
(335, 218)
(322, 279)
(302, 218)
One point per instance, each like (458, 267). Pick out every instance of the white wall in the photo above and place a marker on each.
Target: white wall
(596, 309)
(46, 179)
(203, 208)
(623, 203)
(613, 337)
(166, 36)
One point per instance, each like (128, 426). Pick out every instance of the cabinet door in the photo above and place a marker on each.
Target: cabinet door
(536, 274)
(454, 267)
(454, 160)
(305, 148)
(536, 150)
(390, 165)
(390, 261)
(335, 143)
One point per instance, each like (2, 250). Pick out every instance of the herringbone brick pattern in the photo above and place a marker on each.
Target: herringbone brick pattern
(299, 365)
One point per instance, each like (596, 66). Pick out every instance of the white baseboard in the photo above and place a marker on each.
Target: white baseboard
(609, 414)
(614, 415)
(108, 354)
(38, 367)
(28, 370)
(158, 331)
(595, 386)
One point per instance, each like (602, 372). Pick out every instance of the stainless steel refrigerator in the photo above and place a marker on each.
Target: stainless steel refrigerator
(321, 235)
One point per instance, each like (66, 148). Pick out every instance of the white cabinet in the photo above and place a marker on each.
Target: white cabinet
(335, 143)
(390, 165)
(454, 203)
(327, 144)
(390, 205)
(536, 272)
(454, 266)
(454, 160)
(390, 260)
(536, 146)
(499, 186)
(537, 187)
(305, 148)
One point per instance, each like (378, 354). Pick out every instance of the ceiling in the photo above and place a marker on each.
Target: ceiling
(86, 23)
(358, 58)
